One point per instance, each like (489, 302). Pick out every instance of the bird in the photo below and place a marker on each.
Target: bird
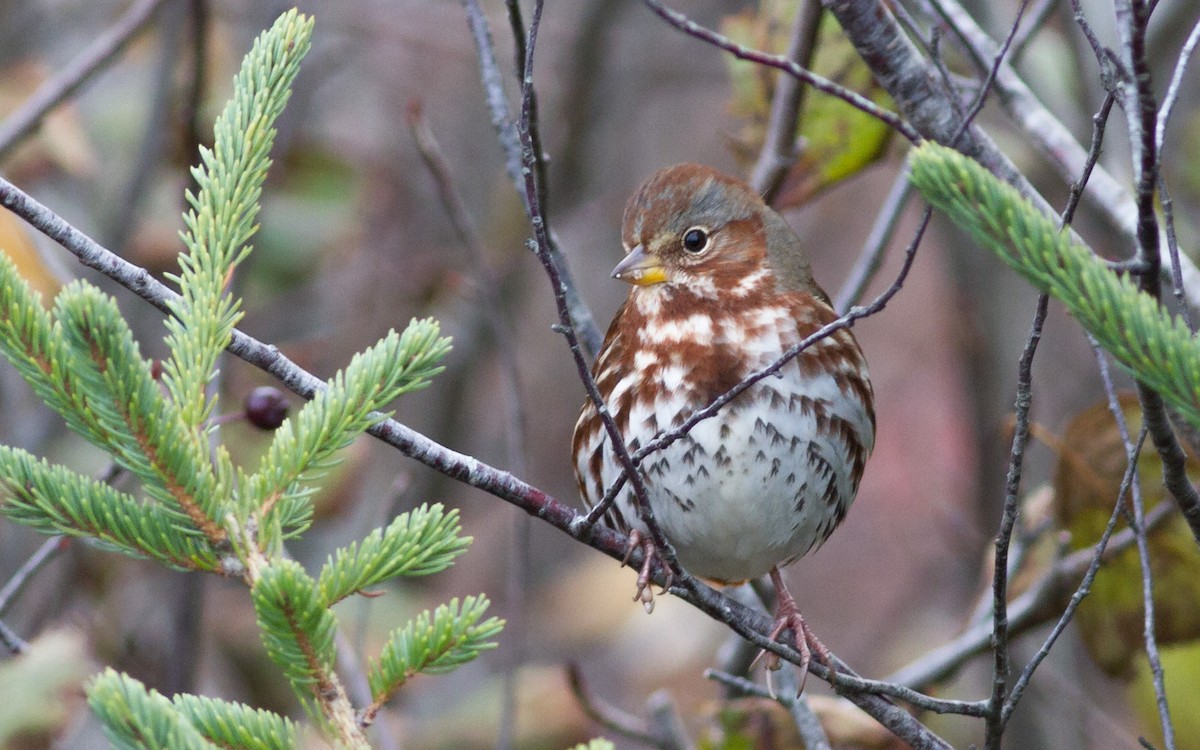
(721, 287)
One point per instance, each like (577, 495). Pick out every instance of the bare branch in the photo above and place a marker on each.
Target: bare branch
(1038, 604)
(98, 55)
(48, 550)
(1168, 104)
(751, 625)
(871, 257)
(820, 83)
(514, 160)
(1012, 484)
(614, 719)
(1141, 114)
(1054, 139)
(808, 724)
(1127, 481)
(778, 152)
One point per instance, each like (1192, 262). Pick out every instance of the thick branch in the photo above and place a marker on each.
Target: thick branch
(1055, 142)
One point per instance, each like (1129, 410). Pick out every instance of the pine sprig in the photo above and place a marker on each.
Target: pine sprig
(1152, 345)
(146, 433)
(55, 500)
(305, 443)
(33, 342)
(221, 219)
(235, 725)
(135, 718)
(296, 627)
(434, 643)
(423, 541)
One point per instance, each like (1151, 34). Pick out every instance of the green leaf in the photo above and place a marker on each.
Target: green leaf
(221, 219)
(54, 500)
(434, 643)
(296, 627)
(423, 541)
(348, 405)
(135, 718)
(235, 725)
(1152, 345)
(835, 140)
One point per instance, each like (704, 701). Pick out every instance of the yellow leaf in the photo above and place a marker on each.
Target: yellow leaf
(1090, 468)
(16, 242)
(835, 140)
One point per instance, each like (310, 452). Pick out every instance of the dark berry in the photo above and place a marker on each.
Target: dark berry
(266, 407)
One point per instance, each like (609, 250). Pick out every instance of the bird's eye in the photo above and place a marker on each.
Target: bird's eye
(695, 240)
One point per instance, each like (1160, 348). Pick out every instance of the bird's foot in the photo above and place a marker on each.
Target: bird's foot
(645, 592)
(787, 617)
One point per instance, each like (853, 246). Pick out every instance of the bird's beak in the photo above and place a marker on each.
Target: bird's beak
(640, 268)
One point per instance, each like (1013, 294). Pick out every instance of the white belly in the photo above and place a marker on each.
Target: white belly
(757, 485)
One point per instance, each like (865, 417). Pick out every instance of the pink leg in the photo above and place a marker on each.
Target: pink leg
(787, 616)
(644, 593)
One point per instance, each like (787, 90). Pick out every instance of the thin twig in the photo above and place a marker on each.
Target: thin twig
(95, 58)
(1177, 290)
(1099, 122)
(1109, 65)
(1041, 13)
(124, 213)
(514, 160)
(900, 74)
(607, 715)
(871, 257)
(1168, 103)
(808, 724)
(778, 152)
(1012, 484)
(1141, 113)
(541, 246)
(992, 71)
(520, 55)
(200, 19)
(48, 550)
(11, 641)
(1039, 603)
(1127, 481)
(818, 82)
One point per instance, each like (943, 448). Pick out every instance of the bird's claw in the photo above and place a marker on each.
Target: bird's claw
(645, 592)
(787, 617)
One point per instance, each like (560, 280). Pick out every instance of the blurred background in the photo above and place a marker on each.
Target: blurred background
(354, 240)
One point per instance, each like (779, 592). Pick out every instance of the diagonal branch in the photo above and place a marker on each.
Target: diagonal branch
(97, 56)
(1055, 142)
(818, 82)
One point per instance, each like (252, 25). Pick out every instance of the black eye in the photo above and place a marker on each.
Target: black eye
(695, 240)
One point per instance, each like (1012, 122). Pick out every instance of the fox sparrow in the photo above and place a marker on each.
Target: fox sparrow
(721, 288)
